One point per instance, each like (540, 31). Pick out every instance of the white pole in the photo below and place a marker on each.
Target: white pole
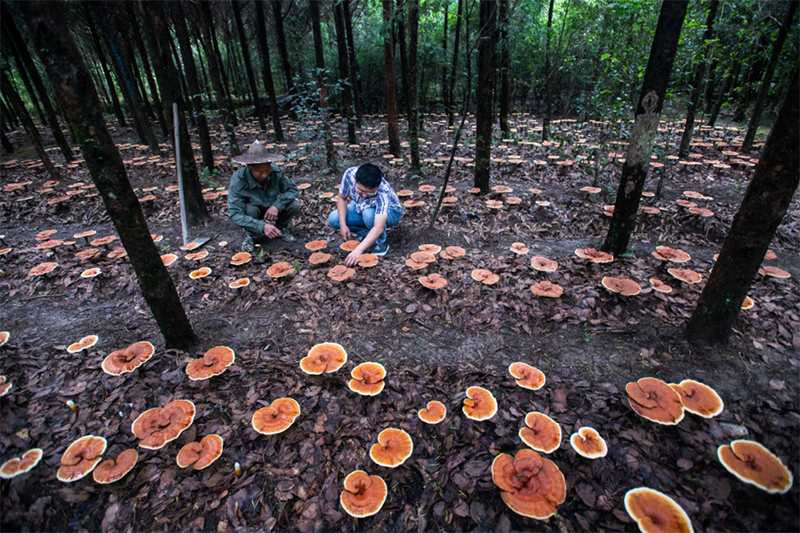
(184, 228)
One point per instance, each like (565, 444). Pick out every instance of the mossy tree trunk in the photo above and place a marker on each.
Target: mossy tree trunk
(648, 111)
(74, 88)
(764, 205)
(484, 112)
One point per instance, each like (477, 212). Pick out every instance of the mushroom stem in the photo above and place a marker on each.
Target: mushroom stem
(74, 407)
(238, 469)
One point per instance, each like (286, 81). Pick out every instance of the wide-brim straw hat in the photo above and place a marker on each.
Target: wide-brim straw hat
(256, 154)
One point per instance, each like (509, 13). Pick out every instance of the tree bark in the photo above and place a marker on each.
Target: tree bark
(391, 84)
(712, 118)
(148, 72)
(344, 71)
(24, 60)
(251, 79)
(413, 103)
(263, 44)
(484, 112)
(444, 54)
(648, 111)
(73, 85)
(401, 44)
(758, 109)
(351, 49)
(763, 207)
(319, 54)
(452, 80)
(158, 34)
(548, 92)
(27, 83)
(205, 7)
(27, 122)
(697, 82)
(505, 64)
(104, 64)
(179, 20)
(280, 39)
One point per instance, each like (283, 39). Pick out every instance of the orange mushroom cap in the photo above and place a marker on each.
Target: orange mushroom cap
(200, 273)
(594, 256)
(367, 260)
(200, 454)
(527, 377)
(317, 258)
(685, 274)
(86, 342)
(189, 246)
(394, 446)
(453, 252)
(752, 463)
(433, 413)
(660, 286)
(513, 200)
(341, 273)
(654, 400)
(547, 289)
(698, 398)
(5, 386)
(276, 418)
(91, 272)
(404, 193)
(368, 379)
(81, 457)
(127, 359)
(349, 246)
(625, 287)
(422, 257)
(542, 433)
(4, 336)
(316, 245)
(89, 253)
(665, 253)
(502, 189)
(426, 188)
(168, 259)
(531, 485)
(325, 357)
(479, 404)
(239, 283)
(430, 248)
(213, 363)
(363, 495)
(774, 272)
(280, 269)
(156, 427)
(42, 268)
(588, 443)
(519, 248)
(112, 470)
(656, 512)
(591, 190)
(19, 465)
(543, 264)
(240, 258)
(748, 303)
(433, 281)
(494, 204)
(485, 276)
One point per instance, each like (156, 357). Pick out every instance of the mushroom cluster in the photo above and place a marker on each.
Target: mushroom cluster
(367, 379)
(81, 457)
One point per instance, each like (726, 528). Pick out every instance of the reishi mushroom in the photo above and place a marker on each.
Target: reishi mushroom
(324, 357)
(452, 252)
(698, 398)
(127, 359)
(81, 457)
(547, 289)
(200, 273)
(673, 255)
(541, 433)
(277, 417)
(42, 268)
(19, 465)
(656, 512)
(394, 446)
(625, 287)
(201, 454)
(594, 256)
(112, 470)
(588, 443)
(158, 426)
(531, 485)
(280, 269)
(317, 258)
(753, 463)
(5, 386)
(433, 413)
(213, 363)
(519, 248)
(240, 258)
(527, 377)
(316, 245)
(86, 342)
(368, 379)
(341, 273)
(433, 281)
(479, 404)
(543, 264)
(349, 246)
(367, 260)
(485, 276)
(686, 275)
(654, 400)
(363, 495)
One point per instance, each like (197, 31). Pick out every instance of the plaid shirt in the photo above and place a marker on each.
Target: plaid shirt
(383, 200)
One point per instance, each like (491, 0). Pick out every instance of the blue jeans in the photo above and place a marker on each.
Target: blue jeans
(361, 224)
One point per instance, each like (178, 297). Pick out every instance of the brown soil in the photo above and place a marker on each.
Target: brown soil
(589, 343)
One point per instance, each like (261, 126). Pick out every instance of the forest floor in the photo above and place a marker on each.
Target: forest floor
(434, 344)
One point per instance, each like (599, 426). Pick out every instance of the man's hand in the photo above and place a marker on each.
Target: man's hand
(352, 258)
(271, 231)
(344, 231)
(271, 214)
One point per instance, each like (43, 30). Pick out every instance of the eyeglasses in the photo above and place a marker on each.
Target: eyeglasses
(366, 194)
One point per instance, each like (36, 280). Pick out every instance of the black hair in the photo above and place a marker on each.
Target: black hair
(369, 175)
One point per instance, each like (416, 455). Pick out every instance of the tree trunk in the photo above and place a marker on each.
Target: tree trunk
(712, 119)
(413, 104)
(280, 39)
(391, 84)
(708, 99)
(763, 207)
(223, 105)
(166, 72)
(73, 85)
(148, 72)
(141, 94)
(226, 86)
(251, 79)
(452, 81)
(758, 109)
(8, 112)
(7, 146)
(648, 111)
(548, 92)
(444, 55)
(104, 64)
(27, 121)
(24, 60)
(351, 49)
(344, 71)
(179, 19)
(484, 112)
(319, 54)
(27, 82)
(697, 82)
(263, 45)
(505, 65)
(401, 44)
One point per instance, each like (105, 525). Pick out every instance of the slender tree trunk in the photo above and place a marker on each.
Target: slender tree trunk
(205, 7)
(280, 39)
(74, 87)
(104, 64)
(251, 79)
(648, 111)
(27, 83)
(697, 82)
(226, 115)
(505, 65)
(758, 109)
(708, 99)
(330, 151)
(158, 35)
(141, 93)
(712, 119)
(8, 111)
(401, 44)
(263, 45)
(548, 92)
(452, 81)
(148, 72)
(391, 84)
(764, 206)
(24, 62)
(179, 20)
(27, 121)
(344, 70)
(444, 55)
(7, 146)
(485, 107)
(355, 81)
(413, 104)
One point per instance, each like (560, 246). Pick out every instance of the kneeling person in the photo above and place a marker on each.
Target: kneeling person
(261, 200)
(375, 207)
